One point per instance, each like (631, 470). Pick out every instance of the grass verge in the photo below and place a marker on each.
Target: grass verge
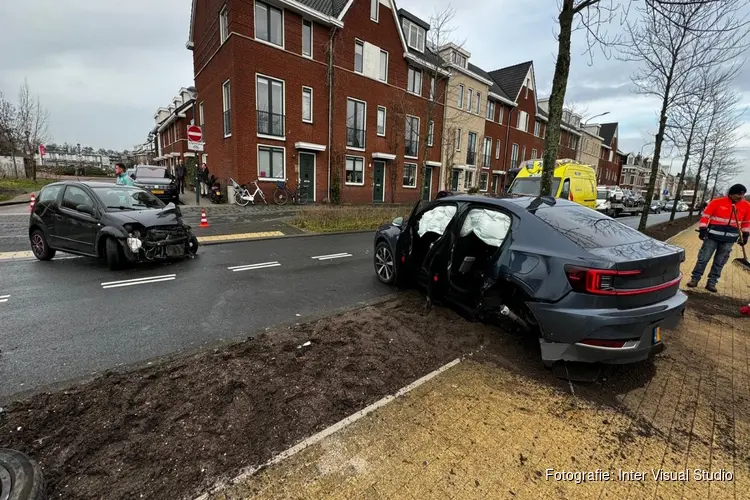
(327, 219)
(10, 188)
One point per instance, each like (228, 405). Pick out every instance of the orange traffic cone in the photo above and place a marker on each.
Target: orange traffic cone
(204, 220)
(32, 202)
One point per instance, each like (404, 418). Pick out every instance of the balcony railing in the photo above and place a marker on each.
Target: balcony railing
(471, 158)
(411, 147)
(355, 137)
(270, 124)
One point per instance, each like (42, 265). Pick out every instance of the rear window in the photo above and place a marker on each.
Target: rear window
(588, 228)
(151, 172)
(529, 186)
(601, 194)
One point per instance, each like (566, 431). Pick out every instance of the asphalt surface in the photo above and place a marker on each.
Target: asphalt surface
(68, 318)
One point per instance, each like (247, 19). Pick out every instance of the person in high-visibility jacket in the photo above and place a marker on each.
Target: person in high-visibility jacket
(720, 226)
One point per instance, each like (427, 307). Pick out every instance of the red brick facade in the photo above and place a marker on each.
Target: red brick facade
(609, 171)
(173, 140)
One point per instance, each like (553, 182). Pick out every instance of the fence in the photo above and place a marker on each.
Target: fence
(7, 168)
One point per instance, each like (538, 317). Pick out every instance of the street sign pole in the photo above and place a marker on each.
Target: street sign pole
(195, 143)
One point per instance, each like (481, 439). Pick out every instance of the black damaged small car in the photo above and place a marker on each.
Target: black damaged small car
(122, 224)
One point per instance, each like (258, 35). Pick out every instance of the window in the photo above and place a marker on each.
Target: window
(432, 88)
(533, 154)
(468, 179)
(610, 155)
(415, 81)
(460, 97)
(374, 10)
(588, 228)
(514, 156)
(269, 25)
(75, 196)
(523, 154)
(537, 126)
(410, 175)
(307, 34)
(484, 178)
(469, 100)
(270, 105)
(500, 115)
(201, 117)
(355, 170)
(457, 139)
(227, 109)
(412, 136)
(381, 120)
(307, 104)
(355, 123)
(471, 149)
(497, 150)
(435, 220)
(49, 195)
(490, 110)
(223, 25)
(431, 133)
(383, 66)
(359, 56)
(270, 163)
(414, 35)
(459, 59)
(523, 121)
(487, 152)
(479, 103)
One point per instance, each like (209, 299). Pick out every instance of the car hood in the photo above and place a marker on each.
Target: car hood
(167, 216)
(155, 181)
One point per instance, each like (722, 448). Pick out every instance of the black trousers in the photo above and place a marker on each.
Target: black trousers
(181, 185)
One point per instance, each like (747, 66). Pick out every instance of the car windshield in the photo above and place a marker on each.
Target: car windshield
(126, 198)
(529, 186)
(151, 172)
(601, 194)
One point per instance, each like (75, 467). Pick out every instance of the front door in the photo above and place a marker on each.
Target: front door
(495, 178)
(75, 229)
(454, 180)
(307, 173)
(427, 186)
(378, 180)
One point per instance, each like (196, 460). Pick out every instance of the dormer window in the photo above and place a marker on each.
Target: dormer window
(414, 35)
(459, 59)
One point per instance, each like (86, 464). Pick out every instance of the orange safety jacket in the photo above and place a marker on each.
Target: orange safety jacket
(720, 219)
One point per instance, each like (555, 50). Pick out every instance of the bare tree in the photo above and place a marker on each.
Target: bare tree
(398, 108)
(9, 139)
(673, 41)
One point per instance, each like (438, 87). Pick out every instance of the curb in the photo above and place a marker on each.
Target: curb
(303, 235)
(9, 203)
(315, 438)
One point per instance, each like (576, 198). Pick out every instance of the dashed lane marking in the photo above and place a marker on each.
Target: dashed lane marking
(4, 298)
(331, 256)
(139, 281)
(251, 267)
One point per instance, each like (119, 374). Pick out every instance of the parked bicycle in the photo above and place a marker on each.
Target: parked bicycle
(243, 196)
(284, 194)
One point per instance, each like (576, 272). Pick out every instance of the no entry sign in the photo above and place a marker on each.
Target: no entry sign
(195, 138)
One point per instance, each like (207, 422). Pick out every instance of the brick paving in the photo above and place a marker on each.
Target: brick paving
(482, 431)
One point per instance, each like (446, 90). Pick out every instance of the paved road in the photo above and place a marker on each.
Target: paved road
(69, 318)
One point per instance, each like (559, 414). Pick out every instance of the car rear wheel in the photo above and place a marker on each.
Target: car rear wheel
(39, 246)
(114, 254)
(20, 477)
(385, 264)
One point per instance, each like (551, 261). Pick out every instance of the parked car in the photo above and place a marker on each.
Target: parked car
(591, 288)
(131, 173)
(681, 206)
(122, 224)
(656, 207)
(158, 181)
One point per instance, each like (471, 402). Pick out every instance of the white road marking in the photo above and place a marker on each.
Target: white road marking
(139, 281)
(4, 298)
(332, 256)
(250, 267)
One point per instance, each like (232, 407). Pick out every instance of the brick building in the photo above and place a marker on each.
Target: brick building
(609, 171)
(262, 72)
(171, 129)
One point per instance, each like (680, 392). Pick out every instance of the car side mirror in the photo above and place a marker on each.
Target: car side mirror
(398, 221)
(86, 209)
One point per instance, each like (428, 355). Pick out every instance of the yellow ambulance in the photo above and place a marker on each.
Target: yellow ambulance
(570, 180)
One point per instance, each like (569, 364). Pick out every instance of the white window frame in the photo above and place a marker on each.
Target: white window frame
(514, 155)
(457, 138)
(486, 152)
(525, 116)
(283, 104)
(415, 71)
(431, 133)
(364, 122)
(416, 173)
(460, 96)
(419, 128)
(486, 177)
(304, 22)
(304, 90)
(498, 144)
(385, 118)
(283, 162)
(362, 159)
(469, 99)
(478, 107)
(375, 6)
(226, 98)
(523, 153)
(387, 61)
(533, 154)
(500, 115)
(201, 116)
(537, 127)
(359, 43)
(223, 24)
(432, 88)
(406, 24)
(489, 112)
(255, 30)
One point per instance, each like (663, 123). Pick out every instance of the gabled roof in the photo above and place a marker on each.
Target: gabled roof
(332, 8)
(512, 78)
(607, 131)
(411, 17)
(494, 88)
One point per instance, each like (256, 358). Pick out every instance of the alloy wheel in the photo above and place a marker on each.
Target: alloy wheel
(384, 264)
(37, 245)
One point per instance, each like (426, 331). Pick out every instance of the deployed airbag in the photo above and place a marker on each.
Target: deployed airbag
(436, 220)
(488, 225)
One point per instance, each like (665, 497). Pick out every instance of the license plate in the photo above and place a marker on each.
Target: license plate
(158, 191)
(657, 334)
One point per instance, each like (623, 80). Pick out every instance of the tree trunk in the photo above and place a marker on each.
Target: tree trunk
(708, 179)
(680, 182)
(557, 98)
(716, 181)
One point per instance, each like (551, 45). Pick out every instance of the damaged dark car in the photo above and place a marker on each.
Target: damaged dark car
(122, 224)
(590, 289)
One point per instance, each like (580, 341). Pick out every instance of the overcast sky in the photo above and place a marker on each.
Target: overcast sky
(103, 67)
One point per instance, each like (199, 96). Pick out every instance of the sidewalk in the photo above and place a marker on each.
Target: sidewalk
(483, 431)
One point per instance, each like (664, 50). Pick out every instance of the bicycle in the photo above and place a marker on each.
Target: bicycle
(243, 196)
(283, 193)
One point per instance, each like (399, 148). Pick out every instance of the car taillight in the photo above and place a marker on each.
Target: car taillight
(601, 281)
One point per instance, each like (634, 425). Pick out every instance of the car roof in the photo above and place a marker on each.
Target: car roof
(508, 202)
(91, 184)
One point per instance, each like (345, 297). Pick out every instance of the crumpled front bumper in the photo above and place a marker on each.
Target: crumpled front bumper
(174, 245)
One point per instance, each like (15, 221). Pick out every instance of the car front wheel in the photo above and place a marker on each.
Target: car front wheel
(39, 246)
(385, 264)
(114, 254)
